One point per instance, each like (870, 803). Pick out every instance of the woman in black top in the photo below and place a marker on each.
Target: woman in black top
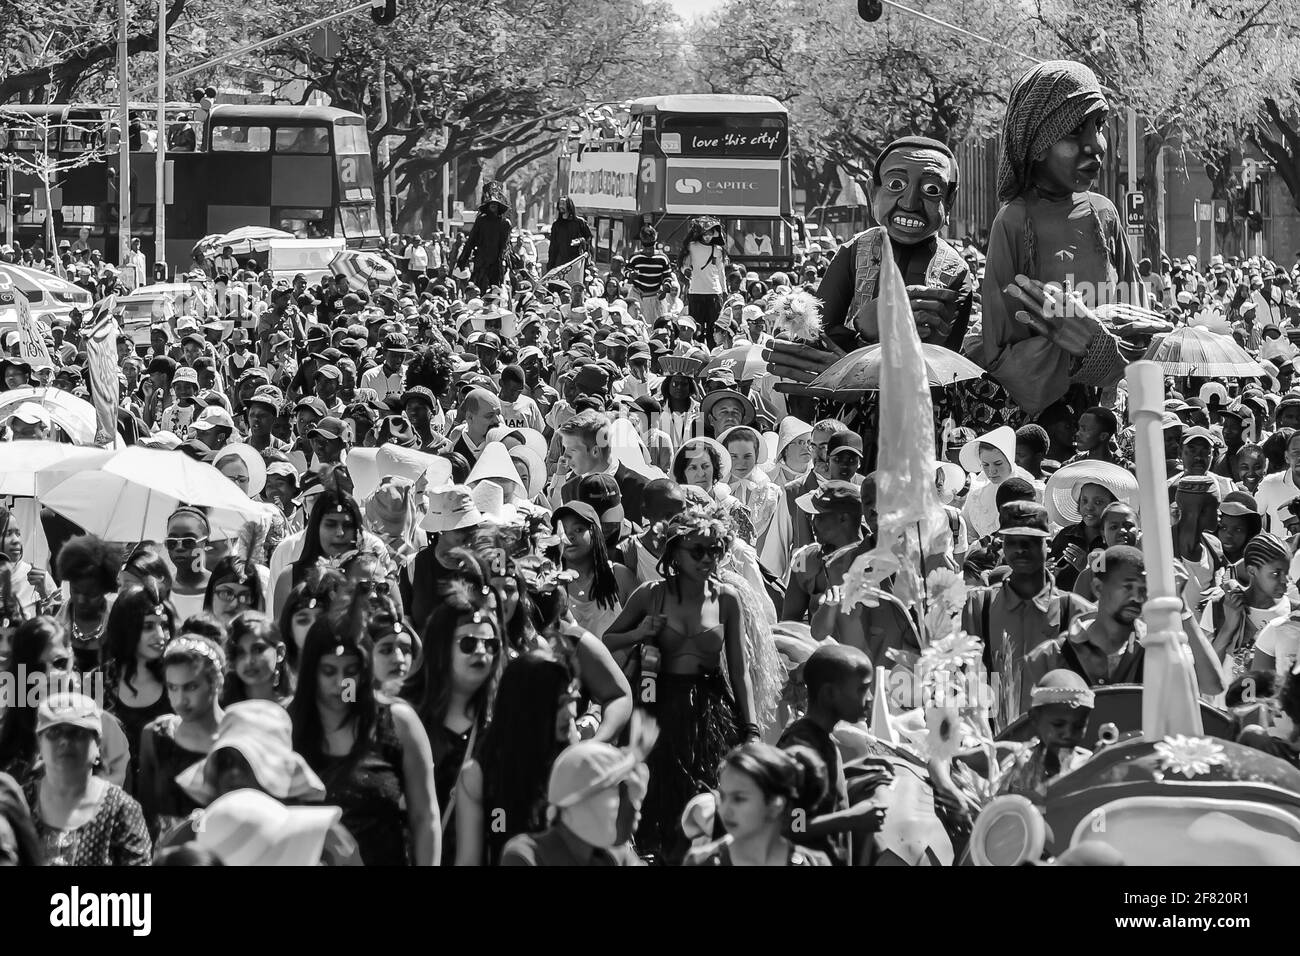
(371, 752)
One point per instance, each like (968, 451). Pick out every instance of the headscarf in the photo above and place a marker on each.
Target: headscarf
(1046, 104)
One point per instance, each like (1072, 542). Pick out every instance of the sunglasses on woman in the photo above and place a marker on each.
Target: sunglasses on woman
(699, 552)
(470, 645)
(184, 544)
(374, 587)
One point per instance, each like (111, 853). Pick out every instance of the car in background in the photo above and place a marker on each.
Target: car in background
(48, 295)
(138, 311)
(286, 258)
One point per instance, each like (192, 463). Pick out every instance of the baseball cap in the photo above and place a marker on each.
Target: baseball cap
(1237, 504)
(67, 708)
(585, 769)
(267, 395)
(842, 440)
(280, 340)
(419, 394)
(32, 414)
(602, 493)
(255, 372)
(592, 379)
(214, 416)
(396, 342)
(329, 427)
(1198, 434)
(313, 403)
(833, 497)
(330, 372)
(1024, 518)
(185, 374)
(579, 509)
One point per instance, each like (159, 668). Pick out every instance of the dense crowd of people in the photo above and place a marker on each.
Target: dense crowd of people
(545, 563)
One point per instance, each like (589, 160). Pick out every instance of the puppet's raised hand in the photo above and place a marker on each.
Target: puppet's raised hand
(935, 311)
(1057, 314)
(801, 361)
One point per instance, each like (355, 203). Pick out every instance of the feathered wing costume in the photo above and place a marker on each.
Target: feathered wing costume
(758, 617)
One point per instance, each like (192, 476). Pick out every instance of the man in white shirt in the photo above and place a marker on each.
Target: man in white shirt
(1278, 489)
(386, 379)
(517, 409)
(136, 261)
(419, 257)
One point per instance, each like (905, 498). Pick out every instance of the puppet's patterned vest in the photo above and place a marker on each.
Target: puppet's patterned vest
(944, 268)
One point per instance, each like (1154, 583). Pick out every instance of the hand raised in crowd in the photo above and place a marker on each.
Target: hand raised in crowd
(1058, 314)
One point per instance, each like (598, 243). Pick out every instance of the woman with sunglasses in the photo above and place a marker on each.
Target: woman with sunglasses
(187, 542)
(501, 790)
(139, 627)
(451, 690)
(703, 696)
(371, 752)
(234, 586)
(255, 657)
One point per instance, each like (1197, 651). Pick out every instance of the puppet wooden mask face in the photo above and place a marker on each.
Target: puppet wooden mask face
(911, 200)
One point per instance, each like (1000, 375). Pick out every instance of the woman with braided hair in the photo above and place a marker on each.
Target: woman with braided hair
(1040, 342)
(690, 622)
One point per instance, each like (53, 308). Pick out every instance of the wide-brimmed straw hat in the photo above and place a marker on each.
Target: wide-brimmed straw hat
(1063, 487)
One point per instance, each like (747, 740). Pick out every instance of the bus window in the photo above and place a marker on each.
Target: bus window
(302, 139)
(357, 220)
(350, 138)
(602, 235)
(241, 139)
(757, 237)
(303, 223)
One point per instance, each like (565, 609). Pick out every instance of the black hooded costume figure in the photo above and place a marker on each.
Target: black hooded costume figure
(489, 239)
(570, 235)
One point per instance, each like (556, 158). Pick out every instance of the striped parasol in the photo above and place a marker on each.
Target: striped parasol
(744, 361)
(363, 266)
(1195, 350)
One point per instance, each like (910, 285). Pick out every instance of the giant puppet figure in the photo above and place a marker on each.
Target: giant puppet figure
(1058, 261)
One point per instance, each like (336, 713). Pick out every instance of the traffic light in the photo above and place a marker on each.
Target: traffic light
(870, 10)
(383, 12)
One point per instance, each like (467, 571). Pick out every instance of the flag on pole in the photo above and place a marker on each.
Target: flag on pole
(101, 358)
(31, 344)
(570, 273)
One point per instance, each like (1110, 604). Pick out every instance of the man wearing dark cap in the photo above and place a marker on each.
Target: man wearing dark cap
(844, 457)
(1025, 610)
(638, 382)
(835, 510)
(602, 493)
(1233, 419)
(419, 406)
(326, 383)
(328, 439)
(261, 409)
(386, 379)
(487, 346)
(1196, 455)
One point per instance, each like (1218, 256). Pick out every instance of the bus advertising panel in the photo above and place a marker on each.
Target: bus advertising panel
(723, 187)
(603, 181)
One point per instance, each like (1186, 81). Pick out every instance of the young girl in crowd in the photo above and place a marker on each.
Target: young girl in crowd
(393, 649)
(256, 657)
(139, 627)
(305, 603)
(333, 529)
(30, 586)
(502, 789)
(1235, 616)
(760, 788)
(1077, 495)
(371, 752)
(194, 669)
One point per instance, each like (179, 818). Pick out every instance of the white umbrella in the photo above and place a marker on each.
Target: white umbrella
(131, 496)
(244, 240)
(74, 415)
(21, 460)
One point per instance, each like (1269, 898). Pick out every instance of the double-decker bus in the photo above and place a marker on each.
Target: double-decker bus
(303, 169)
(680, 156)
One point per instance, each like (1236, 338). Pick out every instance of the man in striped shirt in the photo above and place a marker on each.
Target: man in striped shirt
(647, 269)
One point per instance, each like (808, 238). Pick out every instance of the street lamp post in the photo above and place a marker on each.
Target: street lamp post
(160, 154)
(124, 142)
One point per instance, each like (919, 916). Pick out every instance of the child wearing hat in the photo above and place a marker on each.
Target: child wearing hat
(1060, 704)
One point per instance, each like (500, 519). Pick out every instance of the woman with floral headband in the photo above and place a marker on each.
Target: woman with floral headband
(693, 621)
(194, 670)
